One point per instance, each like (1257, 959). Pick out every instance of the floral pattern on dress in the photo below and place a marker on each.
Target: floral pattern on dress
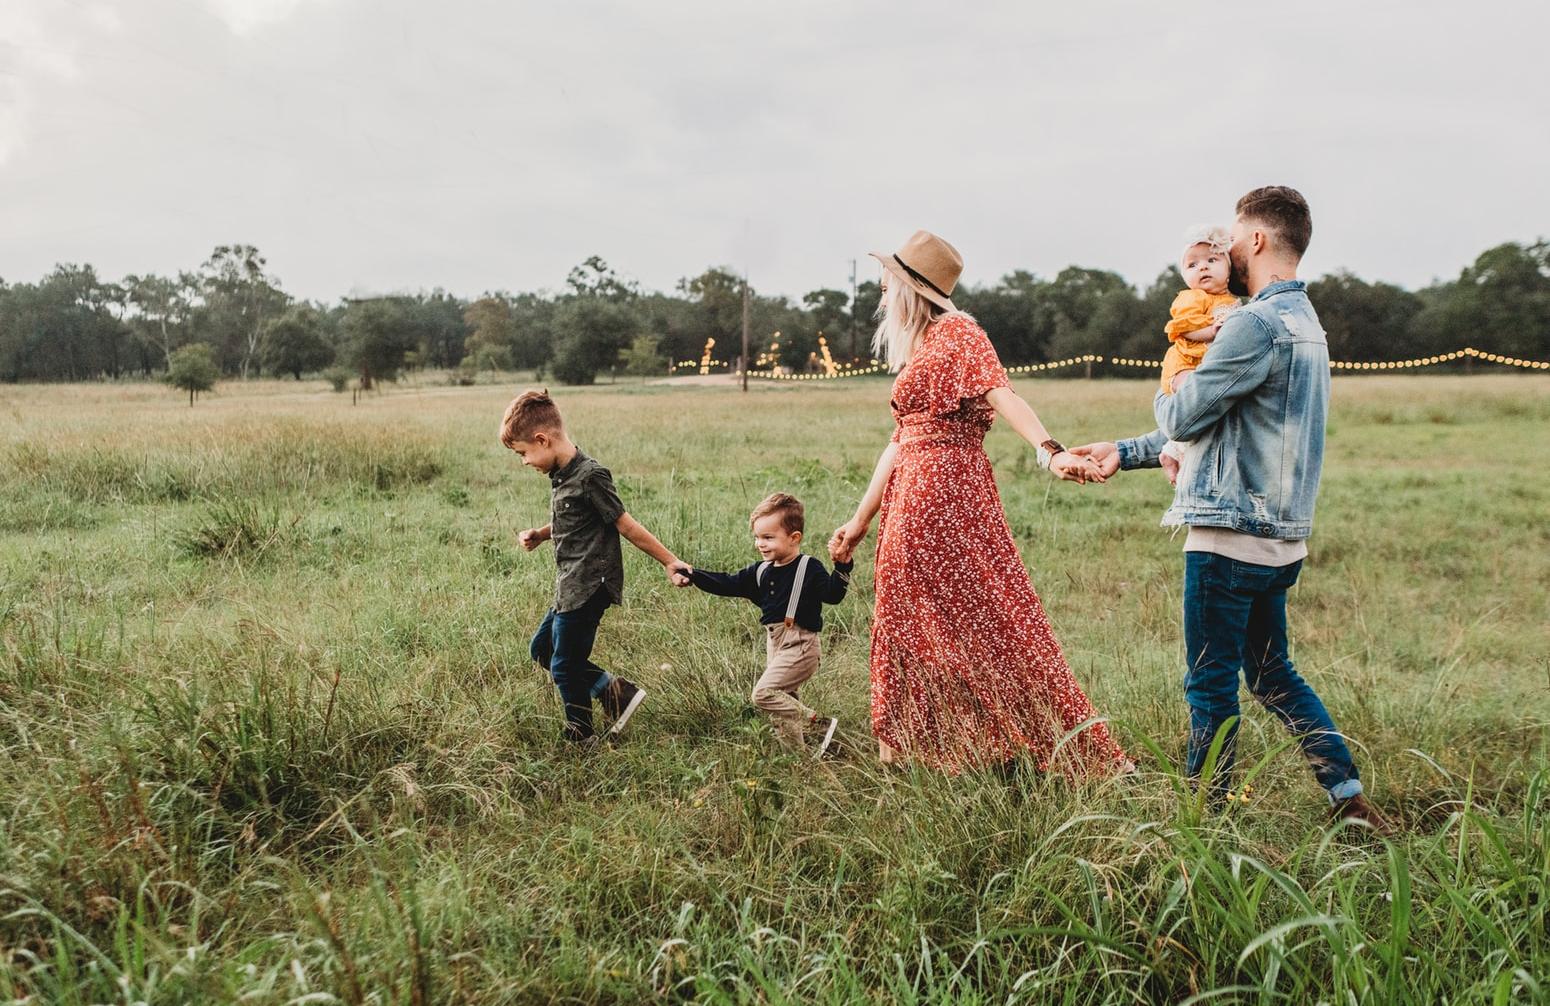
(966, 670)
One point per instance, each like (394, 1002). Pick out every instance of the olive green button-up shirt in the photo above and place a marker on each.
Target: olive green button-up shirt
(584, 507)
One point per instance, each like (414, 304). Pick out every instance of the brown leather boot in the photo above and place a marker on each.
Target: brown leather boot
(1358, 808)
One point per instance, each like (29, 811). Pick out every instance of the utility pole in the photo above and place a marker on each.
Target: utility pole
(854, 321)
(745, 332)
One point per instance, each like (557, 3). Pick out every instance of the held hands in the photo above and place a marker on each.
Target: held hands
(843, 544)
(532, 538)
(1073, 467)
(1104, 455)
(679, 573)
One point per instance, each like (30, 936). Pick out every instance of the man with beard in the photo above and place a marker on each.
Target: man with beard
(1255, 409)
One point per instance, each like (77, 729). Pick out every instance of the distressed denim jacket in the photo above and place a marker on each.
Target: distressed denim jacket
(1255, 411)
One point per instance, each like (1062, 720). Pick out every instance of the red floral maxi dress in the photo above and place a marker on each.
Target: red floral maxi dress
(965, 669)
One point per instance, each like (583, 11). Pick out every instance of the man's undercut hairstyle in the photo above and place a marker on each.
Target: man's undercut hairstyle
(1283, 211)
(788, 506)
(529, 413)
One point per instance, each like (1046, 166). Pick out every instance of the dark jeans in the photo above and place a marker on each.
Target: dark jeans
(1235, 619)
(563, 646)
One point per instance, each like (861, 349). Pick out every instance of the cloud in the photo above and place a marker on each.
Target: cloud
(396, 144)
(246, 16)
(30, 54)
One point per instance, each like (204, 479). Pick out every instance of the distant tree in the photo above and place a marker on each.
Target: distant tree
(594, 278)
(1365, 321)
(67, 326)
(440, 330)
(192, 369)
(492, 333)
(674, 321)
(1500, 303)
(377, 335)
(717, 313)
(1016, 312)
(1094, 311)
(593, 323)
(864, 311)
(829, 311)
(162, 307)
(239, 297)
(592, 333)
(293, 343)
(533, 331)
(1146, 340)
(641, 358)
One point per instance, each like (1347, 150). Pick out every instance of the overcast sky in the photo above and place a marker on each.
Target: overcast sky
(375, 146)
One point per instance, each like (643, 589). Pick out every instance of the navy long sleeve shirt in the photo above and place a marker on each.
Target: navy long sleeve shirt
(819, 587)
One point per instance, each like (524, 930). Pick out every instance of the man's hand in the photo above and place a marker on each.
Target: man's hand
(1104, 454)
(1170, 467)
(1072, 467)
(533, 537)
(679, 573)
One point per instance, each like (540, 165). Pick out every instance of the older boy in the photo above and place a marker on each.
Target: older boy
(586, 521)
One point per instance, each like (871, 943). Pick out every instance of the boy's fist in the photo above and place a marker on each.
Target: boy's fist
(679, 573)
(531, 538)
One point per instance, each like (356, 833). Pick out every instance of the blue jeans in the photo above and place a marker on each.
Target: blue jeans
(1235, 619)
(563, 647)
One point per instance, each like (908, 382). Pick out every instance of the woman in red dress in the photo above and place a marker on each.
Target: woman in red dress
(965, 669)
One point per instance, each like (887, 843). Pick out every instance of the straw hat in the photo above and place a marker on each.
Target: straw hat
(928, 265)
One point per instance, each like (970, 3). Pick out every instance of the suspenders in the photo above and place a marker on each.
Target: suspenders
(796, 585)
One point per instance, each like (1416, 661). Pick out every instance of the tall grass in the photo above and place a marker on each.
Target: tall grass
(331, 775)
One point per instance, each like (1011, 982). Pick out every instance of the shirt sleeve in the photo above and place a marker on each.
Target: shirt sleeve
(600, 492)
(838, 583)
(966, 367)
(1239, 362)
(1190, 312)
(1142, 451)
(739, 584)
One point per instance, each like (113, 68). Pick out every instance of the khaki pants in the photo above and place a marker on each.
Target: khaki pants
(791, 658)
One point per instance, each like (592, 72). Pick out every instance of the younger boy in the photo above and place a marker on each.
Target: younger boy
(790, 589)
(586, 520)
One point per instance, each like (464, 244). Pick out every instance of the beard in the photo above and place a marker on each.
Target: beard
(1237, 274)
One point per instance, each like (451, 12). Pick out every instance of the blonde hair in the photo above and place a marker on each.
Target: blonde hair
(902, 319)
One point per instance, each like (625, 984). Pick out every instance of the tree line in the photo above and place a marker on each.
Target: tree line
(234, 316)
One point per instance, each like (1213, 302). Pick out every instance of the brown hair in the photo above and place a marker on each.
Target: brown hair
(1282, 210)
(788, 506)
(529, 413)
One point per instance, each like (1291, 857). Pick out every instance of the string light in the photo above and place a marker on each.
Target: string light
(828, 361)
(1432, 361)
(833, 371)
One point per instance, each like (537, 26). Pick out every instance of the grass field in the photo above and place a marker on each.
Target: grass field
(269, 732)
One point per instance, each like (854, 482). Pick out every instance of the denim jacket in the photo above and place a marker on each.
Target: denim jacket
(1255, 411)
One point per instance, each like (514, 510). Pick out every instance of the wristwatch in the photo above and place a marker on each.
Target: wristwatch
(1051, 447)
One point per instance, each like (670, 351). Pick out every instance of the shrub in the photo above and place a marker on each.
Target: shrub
(337, 377)
(235, 528)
